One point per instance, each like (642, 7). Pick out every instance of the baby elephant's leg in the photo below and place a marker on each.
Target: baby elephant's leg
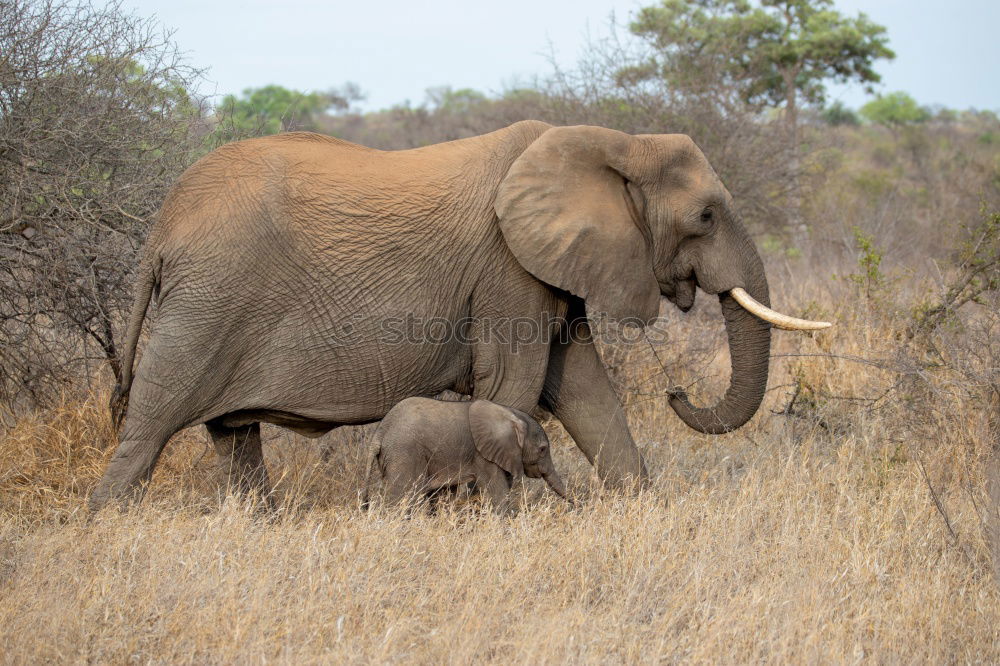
(372, 481)
(495, 484)
(405, 477)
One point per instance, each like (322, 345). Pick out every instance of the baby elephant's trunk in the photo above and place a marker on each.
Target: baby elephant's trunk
(556, 484)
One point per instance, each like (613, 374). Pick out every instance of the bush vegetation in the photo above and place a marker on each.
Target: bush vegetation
(96, 120)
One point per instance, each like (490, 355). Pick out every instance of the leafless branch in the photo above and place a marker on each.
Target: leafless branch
(97, 118)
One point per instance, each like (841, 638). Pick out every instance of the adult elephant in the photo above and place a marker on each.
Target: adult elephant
(296, 275)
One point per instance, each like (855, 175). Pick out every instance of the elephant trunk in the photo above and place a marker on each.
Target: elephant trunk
(749, 348)
(555, 483)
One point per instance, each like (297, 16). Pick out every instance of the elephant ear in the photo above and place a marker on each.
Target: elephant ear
(567, 216)
(498, 435)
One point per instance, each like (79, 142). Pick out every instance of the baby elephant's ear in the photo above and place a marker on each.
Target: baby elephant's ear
(498, 435)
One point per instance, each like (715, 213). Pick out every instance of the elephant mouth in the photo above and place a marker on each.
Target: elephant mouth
(680, 292)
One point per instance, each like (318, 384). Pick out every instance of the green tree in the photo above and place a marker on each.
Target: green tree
(464, 100)
(773, 54)
(895, 110)
(273, 109)
(838, 114)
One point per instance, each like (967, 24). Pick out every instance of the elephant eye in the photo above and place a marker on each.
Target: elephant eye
(706, 215)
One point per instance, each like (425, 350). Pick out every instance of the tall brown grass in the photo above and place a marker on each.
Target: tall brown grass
(844, 525)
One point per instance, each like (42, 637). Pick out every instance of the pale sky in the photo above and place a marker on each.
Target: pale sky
(946, 52)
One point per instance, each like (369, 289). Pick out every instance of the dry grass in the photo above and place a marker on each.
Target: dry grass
(810, 536)
(854, 519)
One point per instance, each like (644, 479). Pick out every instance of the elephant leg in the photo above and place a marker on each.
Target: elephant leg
(579, 394)
(495, 485)
(371, 482)
(240, 450)
(174, 378)
(129, 471)
(405, 479)
(151, 420)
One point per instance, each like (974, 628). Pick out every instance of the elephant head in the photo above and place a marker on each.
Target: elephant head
(514, 441)
(620, 220)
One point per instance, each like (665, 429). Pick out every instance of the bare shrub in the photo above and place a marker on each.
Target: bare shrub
(95, 122)
(445, 115)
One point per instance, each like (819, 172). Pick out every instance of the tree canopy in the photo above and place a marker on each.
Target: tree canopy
(894, 110)
(773, 53)
(272, 109)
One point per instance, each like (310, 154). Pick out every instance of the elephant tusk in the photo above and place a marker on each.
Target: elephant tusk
(777, 319)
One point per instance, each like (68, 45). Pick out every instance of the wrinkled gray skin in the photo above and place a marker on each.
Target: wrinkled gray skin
(425, 445)
(277, 261)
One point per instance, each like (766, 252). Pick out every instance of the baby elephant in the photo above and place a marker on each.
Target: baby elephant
(426, 445)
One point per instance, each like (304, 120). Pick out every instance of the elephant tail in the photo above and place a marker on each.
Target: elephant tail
(145, 285)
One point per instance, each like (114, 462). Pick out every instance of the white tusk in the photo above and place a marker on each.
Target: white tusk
(775, 318)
